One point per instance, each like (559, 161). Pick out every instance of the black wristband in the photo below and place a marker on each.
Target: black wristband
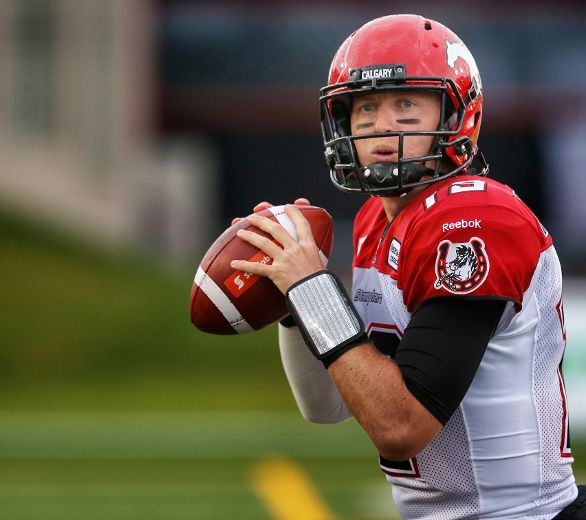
(325, 315)
(342, 349)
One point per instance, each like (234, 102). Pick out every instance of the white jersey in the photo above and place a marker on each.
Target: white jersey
(505, 451)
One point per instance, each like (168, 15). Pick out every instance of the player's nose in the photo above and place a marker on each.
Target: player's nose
(386, 119)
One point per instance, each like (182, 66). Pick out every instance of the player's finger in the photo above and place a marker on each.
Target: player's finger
(263, 243)
(250, 267)
(235, 220)
(278, 232)
(302, 202)
(261, 206)
(300, 222)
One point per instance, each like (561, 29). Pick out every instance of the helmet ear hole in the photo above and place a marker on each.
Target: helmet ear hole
(476, 119)
(451, 114)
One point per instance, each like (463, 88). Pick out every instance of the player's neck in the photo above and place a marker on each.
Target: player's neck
(394, 205)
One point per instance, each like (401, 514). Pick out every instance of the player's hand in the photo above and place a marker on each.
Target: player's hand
(292, 259)
(261, 206)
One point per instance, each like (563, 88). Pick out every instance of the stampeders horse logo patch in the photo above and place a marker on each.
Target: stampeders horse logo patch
(461, 267)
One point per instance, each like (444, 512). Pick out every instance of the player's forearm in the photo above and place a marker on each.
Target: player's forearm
(373, 388)
(371, 384)
(316, 394)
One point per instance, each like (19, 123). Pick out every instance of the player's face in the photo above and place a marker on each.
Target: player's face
(393, 112)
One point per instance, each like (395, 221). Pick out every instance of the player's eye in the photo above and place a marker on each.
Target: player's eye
(367, 107)
(407, 103)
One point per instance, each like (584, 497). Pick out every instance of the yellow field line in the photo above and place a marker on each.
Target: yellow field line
(287, 491)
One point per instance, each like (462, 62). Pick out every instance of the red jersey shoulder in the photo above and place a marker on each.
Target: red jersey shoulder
(475, 197)
(469, 236)
(456, 193)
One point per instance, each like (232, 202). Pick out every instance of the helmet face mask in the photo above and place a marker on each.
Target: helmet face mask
(360, 68)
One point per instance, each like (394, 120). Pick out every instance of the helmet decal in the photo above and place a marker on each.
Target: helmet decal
(457, 49)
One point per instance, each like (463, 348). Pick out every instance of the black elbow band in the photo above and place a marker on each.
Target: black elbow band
(440, 352)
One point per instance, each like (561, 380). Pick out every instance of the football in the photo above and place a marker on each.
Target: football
(226, 301)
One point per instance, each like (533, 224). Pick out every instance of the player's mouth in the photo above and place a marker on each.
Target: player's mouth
(384, 154)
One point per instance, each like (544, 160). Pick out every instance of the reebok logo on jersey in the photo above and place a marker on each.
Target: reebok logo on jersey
(461, 267)
(462, 224)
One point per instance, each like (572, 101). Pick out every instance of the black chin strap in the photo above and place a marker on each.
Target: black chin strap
(385, 176)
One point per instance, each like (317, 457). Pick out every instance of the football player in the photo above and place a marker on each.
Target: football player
(449, 349)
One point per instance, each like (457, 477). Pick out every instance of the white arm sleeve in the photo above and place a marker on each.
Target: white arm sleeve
(316, 394)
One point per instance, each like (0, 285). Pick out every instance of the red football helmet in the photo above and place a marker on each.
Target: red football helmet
(411, 53)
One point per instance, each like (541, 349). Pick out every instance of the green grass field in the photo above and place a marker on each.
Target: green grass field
(112, 406)
(174, 465)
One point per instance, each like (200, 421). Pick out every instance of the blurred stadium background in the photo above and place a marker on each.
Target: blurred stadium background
(131, 132)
